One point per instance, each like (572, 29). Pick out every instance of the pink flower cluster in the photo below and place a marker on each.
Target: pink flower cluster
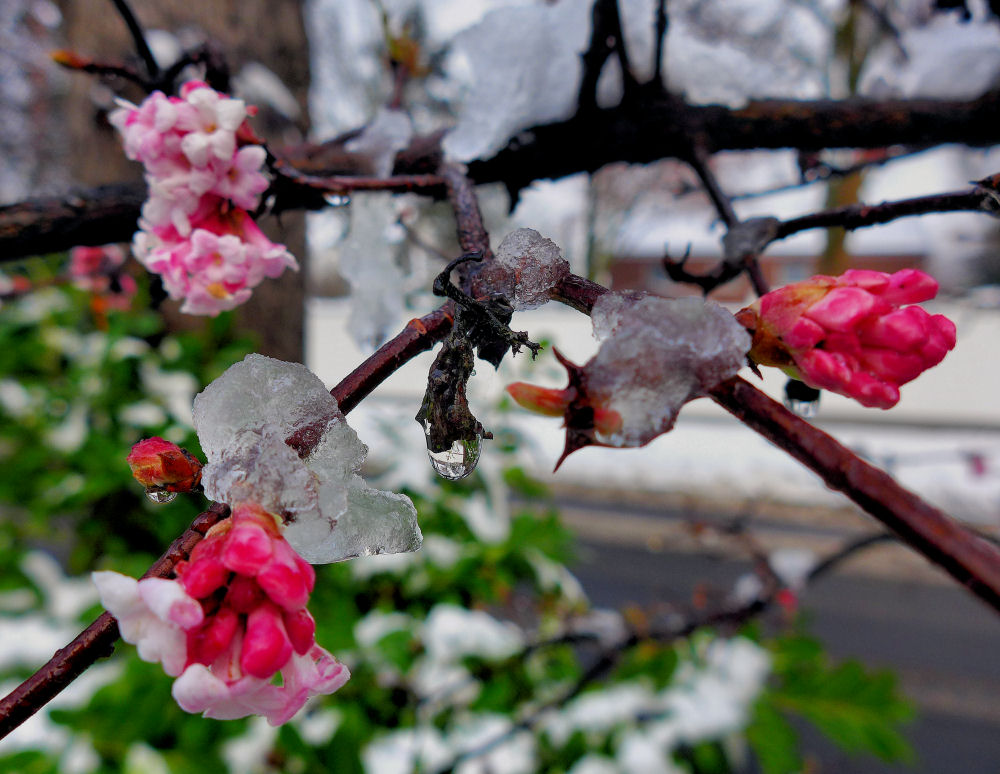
(851, 334)
(234, 617)
(203, 167)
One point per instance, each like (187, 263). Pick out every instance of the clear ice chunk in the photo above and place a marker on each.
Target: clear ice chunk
(274, 435)
(258, 466)
(526, 268)
(656, 354)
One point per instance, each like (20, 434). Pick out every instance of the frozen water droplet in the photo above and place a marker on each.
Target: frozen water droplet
(458, 461)
(337, 200)
(159, 496)
(801, 399)
(804, 408)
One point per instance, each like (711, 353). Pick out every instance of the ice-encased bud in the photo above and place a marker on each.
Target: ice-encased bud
(526, 267)
(273, 435)
(657, 354)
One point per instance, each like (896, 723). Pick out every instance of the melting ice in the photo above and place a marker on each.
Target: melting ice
(526, 268)
(274, 435)
(657, 354)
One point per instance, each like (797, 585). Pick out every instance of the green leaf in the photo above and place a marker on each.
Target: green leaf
(773, 740)
(860, 710)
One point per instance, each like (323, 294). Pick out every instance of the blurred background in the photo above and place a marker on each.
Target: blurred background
(536, 629)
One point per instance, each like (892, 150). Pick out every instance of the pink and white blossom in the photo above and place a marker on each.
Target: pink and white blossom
(204, 172)
(233, 619)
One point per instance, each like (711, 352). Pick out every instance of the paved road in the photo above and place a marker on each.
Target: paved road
(943, 643)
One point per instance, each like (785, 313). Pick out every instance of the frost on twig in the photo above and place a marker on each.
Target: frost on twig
(273, 435)
(657, 354)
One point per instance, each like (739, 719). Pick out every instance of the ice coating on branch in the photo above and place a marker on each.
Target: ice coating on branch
(656, 354)
(526, 268)
(521, 67)
(368, 262)
(255, 421)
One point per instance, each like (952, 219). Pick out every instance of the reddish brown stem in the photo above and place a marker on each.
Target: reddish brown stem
(969, 559)
(419, 335)
(97, 640)
(972, 561)
(342, 184)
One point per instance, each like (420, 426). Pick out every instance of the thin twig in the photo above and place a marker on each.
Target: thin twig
(138, 38)
(852, 216)
(699, 161)
(345, 184)
(662, 22)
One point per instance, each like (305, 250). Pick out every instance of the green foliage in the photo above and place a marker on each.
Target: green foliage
(860, 710)
(76, 391)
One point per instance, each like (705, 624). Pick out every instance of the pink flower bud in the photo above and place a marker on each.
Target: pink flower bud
(547, 401)
(301, 628)
(209, 641)
(164, 466)
(849, 334)
(266, 646)
(232, 620)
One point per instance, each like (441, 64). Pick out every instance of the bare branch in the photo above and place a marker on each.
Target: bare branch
(138, 38)
(983, 198)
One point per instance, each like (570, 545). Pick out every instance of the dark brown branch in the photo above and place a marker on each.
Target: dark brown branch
(978, 199)
(737, 260)
(138, 38)
(969, 559)
(472, 236)
(965, 556)
(654, 129)
(638, 132)
(95, 217)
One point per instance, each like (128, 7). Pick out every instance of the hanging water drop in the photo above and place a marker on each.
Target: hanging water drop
(458, 461)
(160, 496)
(801, 399)
(337, 200)
(806, 409)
